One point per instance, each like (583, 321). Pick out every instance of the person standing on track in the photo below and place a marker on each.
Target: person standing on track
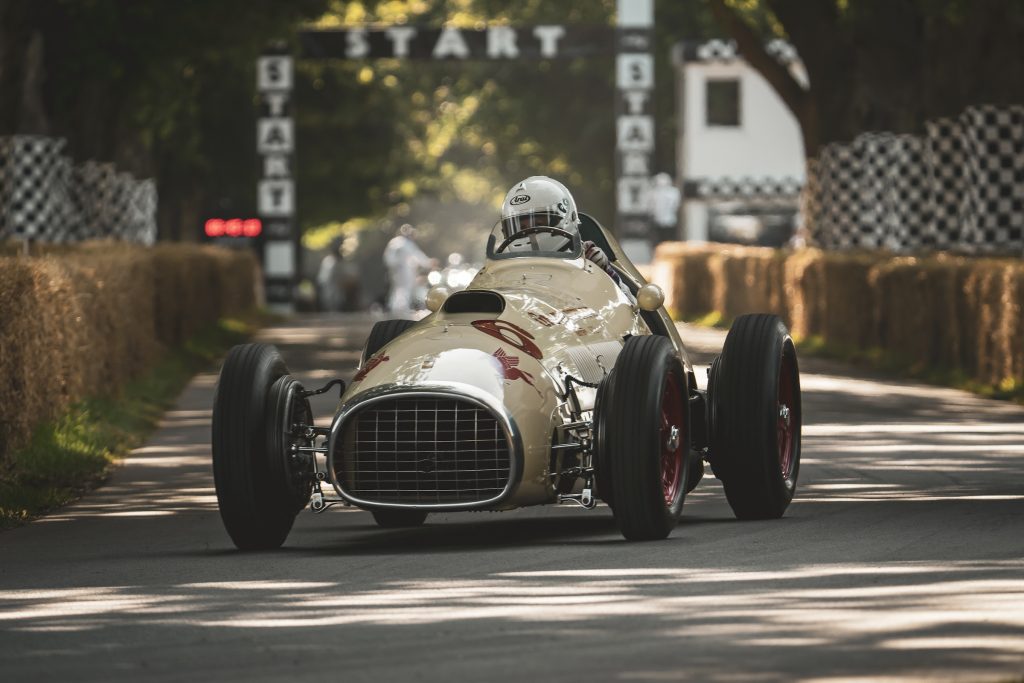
(403, 259)
(665, 198)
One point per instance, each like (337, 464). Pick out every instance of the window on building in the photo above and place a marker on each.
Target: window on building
(723, 102)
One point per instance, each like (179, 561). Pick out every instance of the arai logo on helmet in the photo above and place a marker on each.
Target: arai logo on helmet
(519, 199)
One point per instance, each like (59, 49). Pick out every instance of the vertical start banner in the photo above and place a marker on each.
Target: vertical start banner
(634, 122)
(634, 78)
(275, 192)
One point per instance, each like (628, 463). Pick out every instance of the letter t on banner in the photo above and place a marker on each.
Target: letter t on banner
(275, 143)
(634, 113)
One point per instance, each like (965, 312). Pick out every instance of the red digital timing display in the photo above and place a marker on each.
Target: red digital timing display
(233, 227)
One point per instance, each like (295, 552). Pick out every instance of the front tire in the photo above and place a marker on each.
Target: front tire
(756, 417)
(257, 492)
(645, 439)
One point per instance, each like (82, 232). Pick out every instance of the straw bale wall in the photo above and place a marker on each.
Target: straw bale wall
(945, 312)
(81, 321)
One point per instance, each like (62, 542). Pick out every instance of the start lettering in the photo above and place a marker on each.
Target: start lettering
(499, 42)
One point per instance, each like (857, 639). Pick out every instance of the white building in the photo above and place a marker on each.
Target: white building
(740, 157)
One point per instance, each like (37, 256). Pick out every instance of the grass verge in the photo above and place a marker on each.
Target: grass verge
(76, 453)
(886, 362)
(900, 366)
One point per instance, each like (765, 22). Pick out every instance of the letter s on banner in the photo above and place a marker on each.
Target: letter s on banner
(356, 45)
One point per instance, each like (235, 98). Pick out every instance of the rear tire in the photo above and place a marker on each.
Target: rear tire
(257, 494)
(645, 439)
(396, 519)
(756, 417)
(381, 334)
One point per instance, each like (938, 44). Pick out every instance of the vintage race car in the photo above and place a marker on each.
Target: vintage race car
(545, 381)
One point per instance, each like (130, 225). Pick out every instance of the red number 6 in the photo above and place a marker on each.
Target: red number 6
(511, 334)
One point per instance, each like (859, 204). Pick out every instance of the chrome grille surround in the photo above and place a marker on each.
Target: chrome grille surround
(503, 437)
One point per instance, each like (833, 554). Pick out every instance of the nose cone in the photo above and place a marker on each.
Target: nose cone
(457, 355)
(474, 367)
(454, 359)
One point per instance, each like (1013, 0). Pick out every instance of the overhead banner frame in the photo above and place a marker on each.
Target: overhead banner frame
(630, 42)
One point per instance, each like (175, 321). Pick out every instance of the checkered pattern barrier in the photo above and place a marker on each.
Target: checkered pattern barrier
(45, 197)
(993, 209)
(960, 186)
(767, 189)
(726, 51)
(835, 222)
(945, 161)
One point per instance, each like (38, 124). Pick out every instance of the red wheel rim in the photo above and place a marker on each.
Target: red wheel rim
(787, 410)
(673, 422)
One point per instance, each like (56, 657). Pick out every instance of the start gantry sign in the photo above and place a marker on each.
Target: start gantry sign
(275, 192)
(492, 42)
(634, 122)
(631, 41)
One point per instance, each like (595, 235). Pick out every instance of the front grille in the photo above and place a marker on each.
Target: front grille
(423, 450)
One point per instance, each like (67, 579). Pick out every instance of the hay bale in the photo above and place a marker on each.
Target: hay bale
(804, 286)
(1006, 358)
(942, 311)
(666, 272)
(690, 293)
(983, 300)
(904, 317)
(18, 336)
(698, 283)
(80, 321)
(752, 281)
(1015, 327)
(848, 307)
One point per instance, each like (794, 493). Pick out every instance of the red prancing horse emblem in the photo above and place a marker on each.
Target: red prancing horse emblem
(508, 367)
(370, 365)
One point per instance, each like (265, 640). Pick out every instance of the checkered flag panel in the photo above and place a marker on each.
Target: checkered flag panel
(945, 163)
(838, 176)
(44, 196)
(959, 186)
(993, 209)
(782, 189)
(32, 204)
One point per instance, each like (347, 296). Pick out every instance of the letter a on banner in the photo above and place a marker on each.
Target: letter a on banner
(634, 128)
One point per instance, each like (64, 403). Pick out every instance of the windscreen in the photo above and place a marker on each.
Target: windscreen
(537, 233)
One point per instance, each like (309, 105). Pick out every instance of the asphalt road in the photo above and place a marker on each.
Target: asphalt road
(901, 558)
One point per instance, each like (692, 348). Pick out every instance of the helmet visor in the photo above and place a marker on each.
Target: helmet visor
(512, 225)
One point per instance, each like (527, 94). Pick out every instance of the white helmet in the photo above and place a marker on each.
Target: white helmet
(536, 202)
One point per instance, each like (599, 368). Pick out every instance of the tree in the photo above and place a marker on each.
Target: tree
(881, 64)
(152, 86)
(166, 89)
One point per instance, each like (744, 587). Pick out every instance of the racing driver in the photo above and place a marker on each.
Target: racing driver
(540, 201)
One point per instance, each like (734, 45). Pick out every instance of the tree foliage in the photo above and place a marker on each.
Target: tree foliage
(440, 143)
(166, 89)
(882, 64)
(161, 88)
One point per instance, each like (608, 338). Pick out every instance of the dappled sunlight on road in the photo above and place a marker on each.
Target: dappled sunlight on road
(841, 609)
(903, 549)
